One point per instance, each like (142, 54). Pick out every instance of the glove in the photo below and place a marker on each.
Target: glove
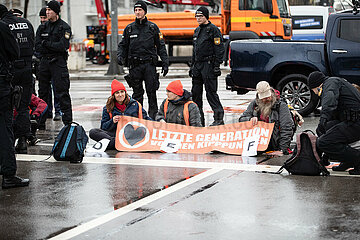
(44, 43)
(120, 62)
(217, 71)
(321, 129)
(164, 70)
(285, 151)
(191, 72)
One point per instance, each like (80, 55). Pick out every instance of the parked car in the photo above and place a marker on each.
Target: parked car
(309, 22)
(286, 64)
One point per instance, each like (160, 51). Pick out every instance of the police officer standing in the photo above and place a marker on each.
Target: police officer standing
(208, 52)
(23, 31)
(52, 42)
(139, 48)
(9, 52)
(339, 123)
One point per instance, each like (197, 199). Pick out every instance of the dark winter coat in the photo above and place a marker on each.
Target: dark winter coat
(281, 116)
(132, 110)
(175, 111)
(337, 96)
(142, 40)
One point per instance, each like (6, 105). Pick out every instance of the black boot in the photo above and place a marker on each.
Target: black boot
(343, 166)
(217, 123)
(21, 146)
(14, 181)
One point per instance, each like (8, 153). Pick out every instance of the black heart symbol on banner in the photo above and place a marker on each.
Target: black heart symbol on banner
(134, 136)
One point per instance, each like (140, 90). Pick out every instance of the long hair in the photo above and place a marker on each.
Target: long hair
(110, 104)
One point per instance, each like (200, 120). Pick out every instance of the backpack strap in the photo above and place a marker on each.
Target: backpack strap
(58, 137)
(313, 138)
(166, 104)
(140, 115)
(80, 139)
(110, 114)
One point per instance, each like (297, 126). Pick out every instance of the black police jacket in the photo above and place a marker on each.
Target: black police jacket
(9, 52)
(337, 97)
(23, 31)
(208, 44)
(53, 38)
(142, 41)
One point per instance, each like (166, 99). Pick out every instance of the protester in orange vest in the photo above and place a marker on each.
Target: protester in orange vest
(118, 104)
(178, 107)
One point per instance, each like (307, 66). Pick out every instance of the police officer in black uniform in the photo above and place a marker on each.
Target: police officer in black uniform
(208, 52)
(52, 42)
(9, 52)
(339, 123)
(139, 48)
(23, 31)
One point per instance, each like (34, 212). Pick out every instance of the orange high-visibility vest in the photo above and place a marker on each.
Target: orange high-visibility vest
(185, 112)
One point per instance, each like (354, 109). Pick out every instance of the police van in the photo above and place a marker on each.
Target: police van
(309, 22)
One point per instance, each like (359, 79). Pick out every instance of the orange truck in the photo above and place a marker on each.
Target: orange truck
(239, 19)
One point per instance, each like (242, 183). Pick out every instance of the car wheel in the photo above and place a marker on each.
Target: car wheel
(294, 91)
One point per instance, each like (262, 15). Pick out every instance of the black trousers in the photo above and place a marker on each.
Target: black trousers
(335, 142)
(145, 73)
(56, 69)
(97, 134)
(7, 151)
(23, 78)
(203, 74)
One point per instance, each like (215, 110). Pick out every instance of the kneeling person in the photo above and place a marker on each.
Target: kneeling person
(178, 107)
(268, 107)
(118, 104)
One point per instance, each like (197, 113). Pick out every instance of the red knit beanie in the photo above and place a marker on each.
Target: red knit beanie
(117, 86)
(176, 87)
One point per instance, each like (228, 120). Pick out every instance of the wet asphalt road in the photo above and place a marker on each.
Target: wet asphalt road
(171, 196)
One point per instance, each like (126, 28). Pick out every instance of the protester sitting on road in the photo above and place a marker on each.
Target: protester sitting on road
(268, 107)
(178, 107)
(339, 123)
(118, 104)
(37, 110)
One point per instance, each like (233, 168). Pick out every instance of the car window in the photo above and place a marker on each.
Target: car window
(349, 30)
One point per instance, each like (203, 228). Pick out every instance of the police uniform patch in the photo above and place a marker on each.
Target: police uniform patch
(67, 35)
(161, 36)
(217, 41)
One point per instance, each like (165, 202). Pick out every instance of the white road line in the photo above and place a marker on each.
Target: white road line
(112, 215)
(160, 163)
(172, 163)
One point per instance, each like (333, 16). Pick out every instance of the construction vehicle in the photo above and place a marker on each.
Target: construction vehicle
(239, 19)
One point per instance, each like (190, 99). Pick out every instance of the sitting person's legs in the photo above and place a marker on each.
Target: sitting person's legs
(98, 134)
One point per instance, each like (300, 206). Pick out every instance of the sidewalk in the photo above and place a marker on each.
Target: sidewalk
(98, 72)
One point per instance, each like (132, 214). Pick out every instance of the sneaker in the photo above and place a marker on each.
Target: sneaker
(343, 166)
(14, 181)
(355, 171)
(57, 117)
(217, 123)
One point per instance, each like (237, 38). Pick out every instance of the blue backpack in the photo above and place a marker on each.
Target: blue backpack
(70, 143)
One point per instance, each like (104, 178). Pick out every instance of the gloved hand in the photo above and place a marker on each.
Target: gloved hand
(321, 129)
(191, 72)
(217, 71)
(285, 151)
(45, 43)
(164, 70)
(120, 62)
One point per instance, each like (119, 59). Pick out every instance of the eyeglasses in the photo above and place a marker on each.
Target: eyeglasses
(199, 16)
